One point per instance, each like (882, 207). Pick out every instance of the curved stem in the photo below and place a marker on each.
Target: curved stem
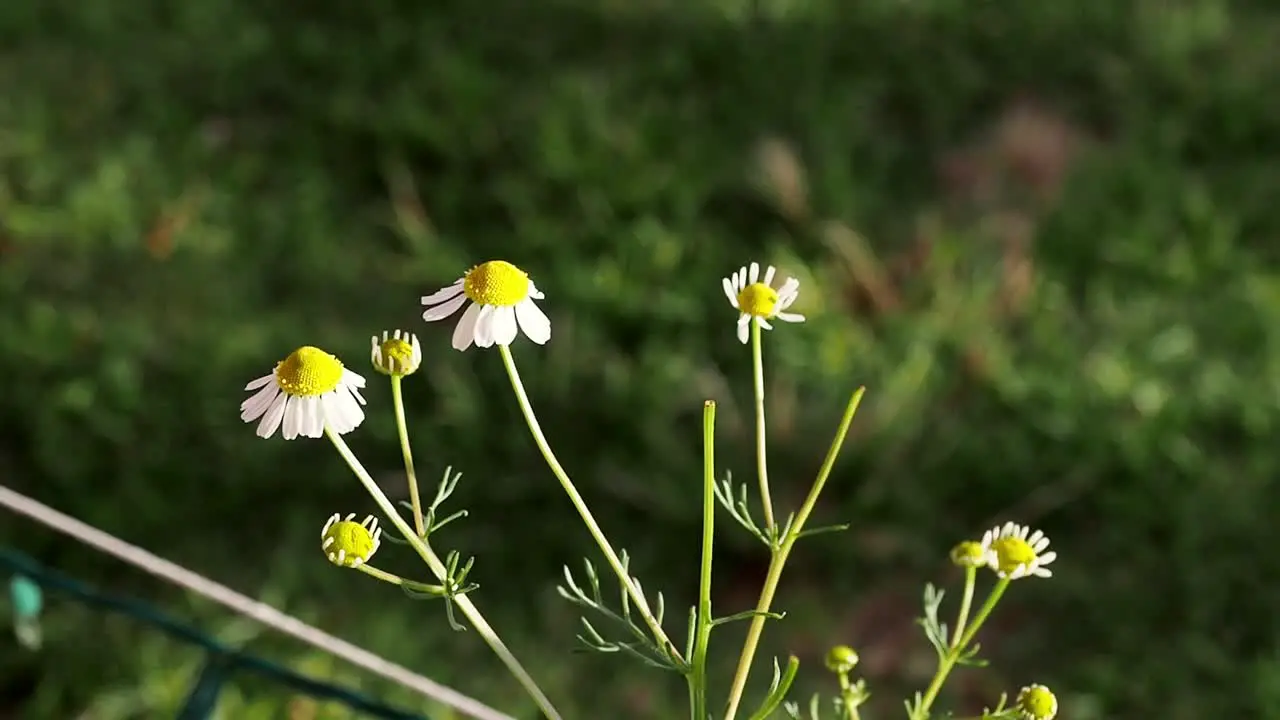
(397, 398)
(779, 559)
(659, 636)
(438, 568)
(698, 675)
(394, 579)
(966, 603)
(948, 662)
(762, 462)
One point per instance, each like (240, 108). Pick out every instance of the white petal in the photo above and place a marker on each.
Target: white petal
(728, 292)
(744, 328)
(790, 287)
(768, 275)
(313, 417)
(740, 279)
(443, 294)
(534, 323)
(504, 325)
(484, 327)
(342, 413)
(764, 323)
(289, 418)
(257, 404)
(789, 317)
(264, 380)
(271, 421)
(445, 309)
(465, 333)
(534, 292)
(755, 272)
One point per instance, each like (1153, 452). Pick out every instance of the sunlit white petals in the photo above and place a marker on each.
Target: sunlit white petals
(501, 307)
(756, 299)
(307, 392)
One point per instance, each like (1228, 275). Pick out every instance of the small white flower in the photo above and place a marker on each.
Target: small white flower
(307, 392)
(501, 296)
(398, 354)
(1014, 551)
(757, 299)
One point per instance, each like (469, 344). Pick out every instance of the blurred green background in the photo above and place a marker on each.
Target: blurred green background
(1042, 234)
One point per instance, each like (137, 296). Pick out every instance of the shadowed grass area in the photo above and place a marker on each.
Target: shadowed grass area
(1042, 235)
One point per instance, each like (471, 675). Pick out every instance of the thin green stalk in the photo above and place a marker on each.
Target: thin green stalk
(949, 661)
(779, 559)
(394, 579)
(698, 675)
(659, 636)
(469, 610)
(966, 602)
(850, 708)
(402, 428)
(762, 462)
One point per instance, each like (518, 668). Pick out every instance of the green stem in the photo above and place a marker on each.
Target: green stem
(698, 675)
(966, 602)
(402, 428)
(394, 579)
(949, 661)
(588, 519)
(779, 559)
(846, 694)
(469, 610)
(762, 463)
(985, 611)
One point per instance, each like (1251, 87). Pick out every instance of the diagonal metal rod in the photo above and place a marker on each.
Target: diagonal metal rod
(244, 605)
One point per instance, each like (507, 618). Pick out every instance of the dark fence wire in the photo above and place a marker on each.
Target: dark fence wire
(222, 658)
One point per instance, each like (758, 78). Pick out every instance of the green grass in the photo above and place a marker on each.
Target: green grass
(1042, 235)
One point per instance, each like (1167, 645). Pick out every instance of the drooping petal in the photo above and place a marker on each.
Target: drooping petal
(535, 324)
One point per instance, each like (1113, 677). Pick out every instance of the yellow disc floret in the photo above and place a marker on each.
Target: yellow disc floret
(1012, 553)
(969, 554)
(349, 543)
(1036, 702)
(496, 282)
(308, 372)
(397, 354)
(758, 299)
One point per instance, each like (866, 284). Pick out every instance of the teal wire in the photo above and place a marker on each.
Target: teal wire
(223, 658)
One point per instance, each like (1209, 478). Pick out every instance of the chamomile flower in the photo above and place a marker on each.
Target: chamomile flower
(501, 306)
(756, 299)
(396, 354)
(1013, 551)
(307, 392)
(349, 543)
(1036, 702)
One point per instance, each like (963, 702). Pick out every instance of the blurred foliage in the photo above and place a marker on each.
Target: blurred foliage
(1043, 235)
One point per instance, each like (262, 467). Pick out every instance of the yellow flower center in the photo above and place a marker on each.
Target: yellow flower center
(352, 538)
(397, 357)
(1012, 553)
(1037, 703)
(758, 299)
(496, 282)
(968, 554)
(309, 371)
